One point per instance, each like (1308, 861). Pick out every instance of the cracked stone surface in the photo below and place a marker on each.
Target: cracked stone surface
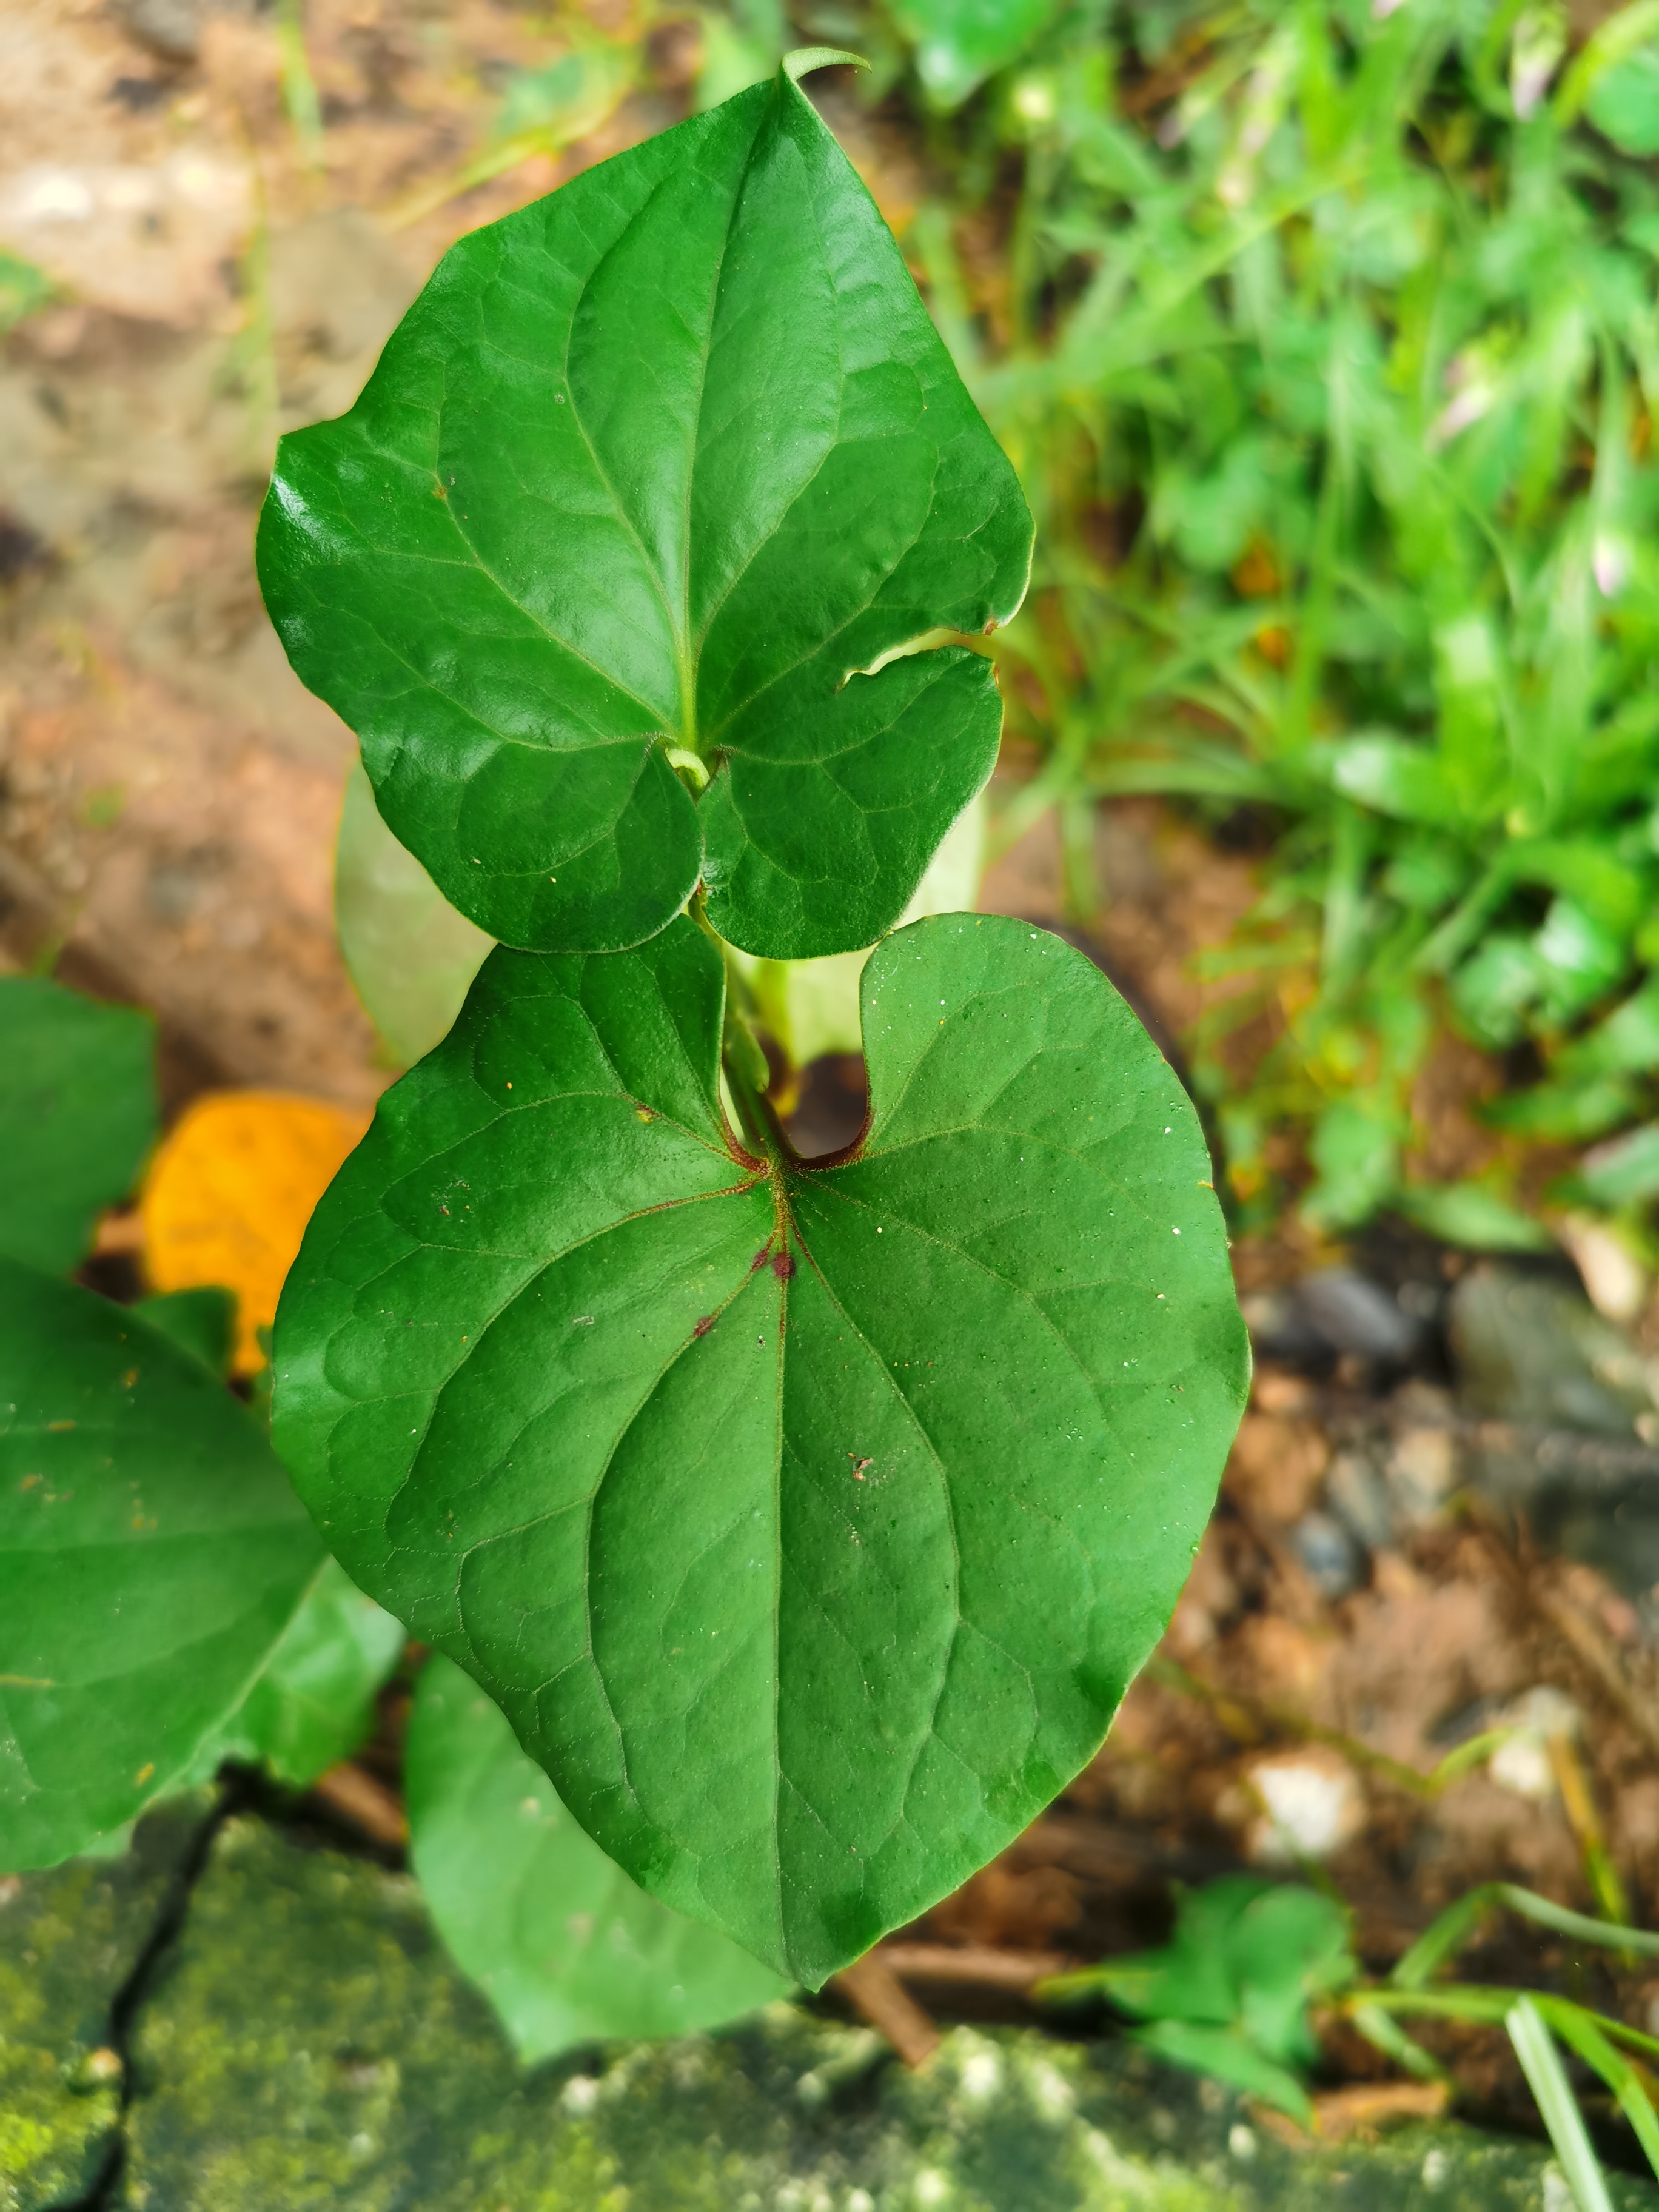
(305, 2044)
(309, 2046)
(68, 1940)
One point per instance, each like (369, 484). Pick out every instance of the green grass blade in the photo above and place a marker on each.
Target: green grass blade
(1580, 2031)
(1385, 2034)
(1547, 2077)
(1457, 1924)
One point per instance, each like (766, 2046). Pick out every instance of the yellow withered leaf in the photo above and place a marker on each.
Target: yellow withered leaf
(229, 1193)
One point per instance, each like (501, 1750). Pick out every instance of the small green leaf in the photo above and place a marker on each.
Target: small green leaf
(648, 474)
(410, 954)
(959, 42)
(1248, 1953)
(23, 288)
(1472, 1214)
(1571, 1111)
(565, 1946)
(313, 1702)
(1355, 1146)
(807, 1523)
(1226, 2056)
(740, 47)
(77, 1114)
(1399, 777)
(151, 1553)
(1624, 103)
(1228, 1994)
(1625, 1172)
(1495, 986)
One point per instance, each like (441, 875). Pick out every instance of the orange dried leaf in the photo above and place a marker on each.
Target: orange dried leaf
(229, 1193)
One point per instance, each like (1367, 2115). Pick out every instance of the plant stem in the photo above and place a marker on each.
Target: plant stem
(743, 1064)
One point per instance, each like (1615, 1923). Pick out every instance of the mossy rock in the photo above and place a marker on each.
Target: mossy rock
(70, 1937)
(312, 2047)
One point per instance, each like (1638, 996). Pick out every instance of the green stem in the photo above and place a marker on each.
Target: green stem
(746, 1082)
(743, 1063)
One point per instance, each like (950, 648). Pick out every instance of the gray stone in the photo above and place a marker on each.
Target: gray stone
(1354, 1315)
(1531, 1349)
(1570, 1421)
(1358, 1496)
(172, 28)
(312, 2047)
(70, 1937)
(1335, 1562)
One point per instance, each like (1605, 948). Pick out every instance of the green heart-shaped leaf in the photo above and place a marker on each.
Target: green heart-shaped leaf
(151, 1553)
(565, 1946)
(655, 466)
(77, 1114)
(808, 1523)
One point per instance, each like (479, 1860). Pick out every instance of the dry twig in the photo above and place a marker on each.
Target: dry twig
(972, 1966)
(876, 1993)
(366, 1803)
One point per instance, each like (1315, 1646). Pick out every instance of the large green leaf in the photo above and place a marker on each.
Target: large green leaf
(565, 1946)
(807, 1523)
(77, 1113)
(151, 1553)
(658, 464)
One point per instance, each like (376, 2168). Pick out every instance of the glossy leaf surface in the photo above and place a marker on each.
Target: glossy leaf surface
(565, 1946)
(151, 1553)
(661, 462)
(77, 1114)
(410, 954)
(808, 1523)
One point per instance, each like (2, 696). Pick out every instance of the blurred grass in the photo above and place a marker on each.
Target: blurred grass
(1325, 340)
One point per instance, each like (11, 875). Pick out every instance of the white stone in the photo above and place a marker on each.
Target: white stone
(1312, 1804)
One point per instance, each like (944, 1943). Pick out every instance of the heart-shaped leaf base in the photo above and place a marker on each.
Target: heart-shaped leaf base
(808, 1521)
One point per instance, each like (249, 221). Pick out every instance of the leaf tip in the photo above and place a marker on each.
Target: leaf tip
(803, 60)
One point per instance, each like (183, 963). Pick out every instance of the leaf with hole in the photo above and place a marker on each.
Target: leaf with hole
(808, 1523)
(151, 1553)
(77, 1114)
(647, 476)
(565, 1946)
